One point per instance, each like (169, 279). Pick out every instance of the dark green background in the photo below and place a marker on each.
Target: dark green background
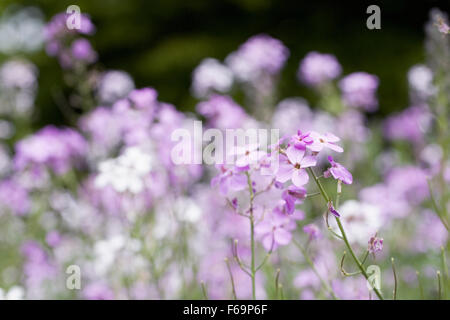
(160, 42)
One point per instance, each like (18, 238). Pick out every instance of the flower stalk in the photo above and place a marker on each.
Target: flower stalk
(343, 234)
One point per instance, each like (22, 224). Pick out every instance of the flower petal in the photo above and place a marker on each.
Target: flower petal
(300, 177)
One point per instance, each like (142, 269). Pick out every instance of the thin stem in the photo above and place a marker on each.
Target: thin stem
(394, 294)
(441, 214)
(344, 236)
(252, 237)
(233, 288)
(205, 294)
(280, 288)
(277, 278)
(438, 273)
(313, 267)
(445, 268)
(422, 296)
(238, 260)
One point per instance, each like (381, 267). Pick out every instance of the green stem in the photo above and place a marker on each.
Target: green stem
(252, 237)
(344, 235)
(233, 288)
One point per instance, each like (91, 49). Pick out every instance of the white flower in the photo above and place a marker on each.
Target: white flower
(115, 85)
(211, 75)
(420, 79)
(360, 221)
(15, 293)
(126, 172)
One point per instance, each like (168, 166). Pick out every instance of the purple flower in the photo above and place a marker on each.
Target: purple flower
(275, 230)
(338, 171)
(327, 140)
(358, 90)
(300, 140)
(53, 238)
(410, 124)
(293, 166)
(313, 231)
(98, 291)
(261, 54)
(375, 244)
(222, 112)
(81, 50)
(291, 196)
(229, 180)
(442, 26)
(333, 210)
(37, 267)
(52, 147)
(14, 197)
(317, 68)
(143, 98)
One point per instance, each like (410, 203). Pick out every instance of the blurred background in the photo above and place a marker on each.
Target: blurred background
(160, 42)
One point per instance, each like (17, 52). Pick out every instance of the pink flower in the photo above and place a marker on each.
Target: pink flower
(300, 140)
(338, 171)
(229, 180)
(292, 195)
(293, 166)
(275, 230)
(333, 210)
(375, 244)
(313, 231)
(327, 140)
(247, 155)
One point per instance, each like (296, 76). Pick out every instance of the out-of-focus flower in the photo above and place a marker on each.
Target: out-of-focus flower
(114, 85)
(312, 231)
(430, 233)
(275, 230)
(338, 171)
(360, 220)
(247, 155)
(143, 98)
(320, 141)
(58, 149)
(98, 291)
(229, 180)
(375, 244)
(291, 114)
(126, 172)
(420, 79)
(222, 112)
(292, 167)
(21, 31)
(259, 55)
(358, 90)
(81, 49)
(18, 84)
(317, 68)
(411, 124)
(14, 197)
(442, 26)
(14, 293)
(38, 267)
(18, 74)
(211, 76)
